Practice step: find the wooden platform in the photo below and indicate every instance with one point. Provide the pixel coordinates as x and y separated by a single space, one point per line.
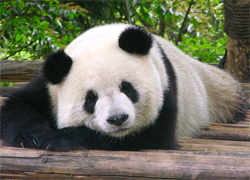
221 152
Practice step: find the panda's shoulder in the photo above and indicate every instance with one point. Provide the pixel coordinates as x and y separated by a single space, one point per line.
34 92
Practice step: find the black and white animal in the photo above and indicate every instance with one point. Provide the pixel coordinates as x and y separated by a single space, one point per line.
118 87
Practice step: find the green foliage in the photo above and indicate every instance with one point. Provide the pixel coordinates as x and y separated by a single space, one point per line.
32 29
6 84
103 11
202 36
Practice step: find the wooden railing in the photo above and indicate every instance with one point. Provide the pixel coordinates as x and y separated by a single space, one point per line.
18 71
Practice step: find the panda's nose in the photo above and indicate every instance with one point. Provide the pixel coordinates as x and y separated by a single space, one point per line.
117 120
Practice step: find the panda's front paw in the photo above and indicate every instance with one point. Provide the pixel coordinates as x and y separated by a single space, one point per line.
25 138
20 140
25 141
59 140
53 143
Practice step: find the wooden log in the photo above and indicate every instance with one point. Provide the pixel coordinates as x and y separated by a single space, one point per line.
18 71
231 125
248 115
218 142
246 86
215 145
29 163
231 132
244 123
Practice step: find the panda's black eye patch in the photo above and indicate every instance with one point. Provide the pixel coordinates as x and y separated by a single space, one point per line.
128 89
90 102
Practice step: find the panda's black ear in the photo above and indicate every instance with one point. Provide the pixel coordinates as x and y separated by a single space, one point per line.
135 40
56 66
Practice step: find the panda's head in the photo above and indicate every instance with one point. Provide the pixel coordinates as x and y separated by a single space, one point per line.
110 79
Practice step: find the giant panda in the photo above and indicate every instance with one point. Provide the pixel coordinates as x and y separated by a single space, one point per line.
118 87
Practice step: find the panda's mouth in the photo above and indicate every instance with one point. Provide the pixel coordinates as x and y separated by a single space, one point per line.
120 132
121 129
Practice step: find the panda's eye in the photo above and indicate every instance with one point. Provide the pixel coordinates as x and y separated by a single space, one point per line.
128 89
90 101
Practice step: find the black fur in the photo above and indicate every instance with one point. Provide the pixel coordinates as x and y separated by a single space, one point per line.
90 102
135 40
27 115
128 89
56 66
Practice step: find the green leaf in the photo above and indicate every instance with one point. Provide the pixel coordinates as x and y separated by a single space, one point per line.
44 24
18 37
57 21
36 19
71 15
66 12
204 40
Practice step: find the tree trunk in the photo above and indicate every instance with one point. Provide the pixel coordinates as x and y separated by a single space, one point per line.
237 62
236 26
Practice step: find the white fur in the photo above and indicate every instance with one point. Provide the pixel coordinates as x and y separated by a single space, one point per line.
99 64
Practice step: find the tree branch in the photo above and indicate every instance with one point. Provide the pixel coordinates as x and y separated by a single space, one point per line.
183 23
20 49
127 9
145 23
162 27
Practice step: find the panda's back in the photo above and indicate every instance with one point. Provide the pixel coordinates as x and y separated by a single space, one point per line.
205 93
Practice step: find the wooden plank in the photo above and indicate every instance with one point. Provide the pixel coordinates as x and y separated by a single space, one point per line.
29 163
217 142
226 132
215 145
244 123
212 148
18 71
246 86
231 125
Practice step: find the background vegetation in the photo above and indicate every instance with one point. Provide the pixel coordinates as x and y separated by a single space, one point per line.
32 29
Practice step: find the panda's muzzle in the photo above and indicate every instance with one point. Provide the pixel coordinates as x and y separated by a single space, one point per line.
117 120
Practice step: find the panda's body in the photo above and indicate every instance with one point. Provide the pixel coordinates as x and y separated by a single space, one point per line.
117 87
205 93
